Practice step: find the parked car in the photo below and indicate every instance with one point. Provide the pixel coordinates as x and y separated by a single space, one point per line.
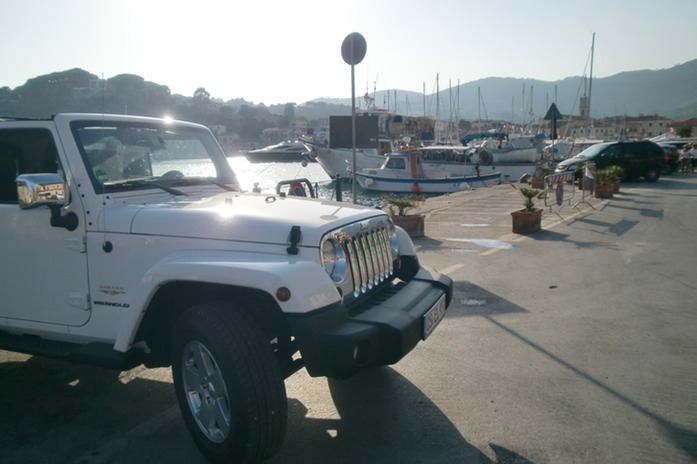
637 159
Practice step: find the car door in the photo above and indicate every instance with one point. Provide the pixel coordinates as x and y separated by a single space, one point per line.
43 276
612 155
632 159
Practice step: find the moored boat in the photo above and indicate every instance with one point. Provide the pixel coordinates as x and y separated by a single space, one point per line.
340 160
289 151
404 173
514 156
496 148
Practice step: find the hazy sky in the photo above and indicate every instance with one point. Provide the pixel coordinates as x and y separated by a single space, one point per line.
283 51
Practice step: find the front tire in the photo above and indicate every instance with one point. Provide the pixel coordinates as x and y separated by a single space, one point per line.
228 384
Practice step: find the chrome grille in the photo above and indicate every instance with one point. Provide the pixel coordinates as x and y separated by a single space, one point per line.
368 254
367 250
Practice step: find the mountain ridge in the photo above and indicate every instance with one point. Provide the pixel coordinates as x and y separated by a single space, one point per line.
669 92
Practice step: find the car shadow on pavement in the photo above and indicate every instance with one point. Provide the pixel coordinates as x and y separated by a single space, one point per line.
382 418
43 401
676 182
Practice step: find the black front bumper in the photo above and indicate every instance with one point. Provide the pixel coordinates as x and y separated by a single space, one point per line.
335 343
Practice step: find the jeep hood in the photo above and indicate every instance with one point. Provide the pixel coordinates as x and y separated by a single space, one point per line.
235 216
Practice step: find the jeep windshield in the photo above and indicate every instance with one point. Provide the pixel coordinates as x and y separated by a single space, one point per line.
127 155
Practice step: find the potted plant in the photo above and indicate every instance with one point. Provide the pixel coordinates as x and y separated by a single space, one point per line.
399 207
618 174
528 219
605 183
538 179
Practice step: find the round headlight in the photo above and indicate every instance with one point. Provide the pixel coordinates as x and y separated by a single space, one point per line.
394 241
333 259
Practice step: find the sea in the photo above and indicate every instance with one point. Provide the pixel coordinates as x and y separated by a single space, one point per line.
265 176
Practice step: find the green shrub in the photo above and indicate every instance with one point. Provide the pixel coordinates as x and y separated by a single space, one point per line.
530 195
399 206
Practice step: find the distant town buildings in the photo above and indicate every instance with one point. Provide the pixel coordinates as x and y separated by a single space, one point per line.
400 127
427 130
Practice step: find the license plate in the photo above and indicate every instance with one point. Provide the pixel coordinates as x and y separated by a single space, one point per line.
433 317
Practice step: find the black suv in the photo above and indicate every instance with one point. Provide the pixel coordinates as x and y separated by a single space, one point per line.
638 159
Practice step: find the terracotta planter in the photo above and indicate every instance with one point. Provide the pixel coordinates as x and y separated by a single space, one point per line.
414 224
526 222
604 191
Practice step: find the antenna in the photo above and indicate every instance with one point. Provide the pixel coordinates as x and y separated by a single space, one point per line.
375 85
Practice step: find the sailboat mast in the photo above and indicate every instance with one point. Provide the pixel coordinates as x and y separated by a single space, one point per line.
457 112
590 80
450 105
437 109
532 89
522 106
479 107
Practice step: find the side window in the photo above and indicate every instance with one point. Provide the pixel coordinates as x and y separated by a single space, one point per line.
613 153
396 163
24 151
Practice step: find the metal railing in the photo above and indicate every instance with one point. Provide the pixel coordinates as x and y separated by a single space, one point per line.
563 189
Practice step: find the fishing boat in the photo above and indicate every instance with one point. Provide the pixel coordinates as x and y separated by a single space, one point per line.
289 151
340 160
404 173
336 153
444 160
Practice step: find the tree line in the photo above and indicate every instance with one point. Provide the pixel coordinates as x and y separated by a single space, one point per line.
77 90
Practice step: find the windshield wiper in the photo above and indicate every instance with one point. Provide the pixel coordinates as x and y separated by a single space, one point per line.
204 180
144 183
222 186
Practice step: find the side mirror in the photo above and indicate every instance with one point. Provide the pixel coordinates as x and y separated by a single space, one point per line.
34 190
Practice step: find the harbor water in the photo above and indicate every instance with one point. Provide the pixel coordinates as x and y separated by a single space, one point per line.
265 176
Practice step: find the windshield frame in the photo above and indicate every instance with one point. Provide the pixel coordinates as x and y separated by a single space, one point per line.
95 135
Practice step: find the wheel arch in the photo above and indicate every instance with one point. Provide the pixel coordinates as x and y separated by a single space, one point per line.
187 278
173 298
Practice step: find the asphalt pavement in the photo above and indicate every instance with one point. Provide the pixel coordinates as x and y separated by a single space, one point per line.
575 344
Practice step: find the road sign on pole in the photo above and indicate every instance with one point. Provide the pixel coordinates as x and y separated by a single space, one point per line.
353 51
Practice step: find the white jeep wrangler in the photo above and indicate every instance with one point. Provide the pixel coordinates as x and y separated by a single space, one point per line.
126 241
